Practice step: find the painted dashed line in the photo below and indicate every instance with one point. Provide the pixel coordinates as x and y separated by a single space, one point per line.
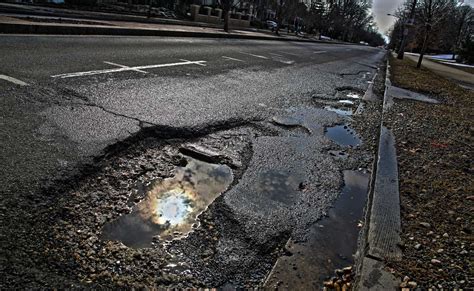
320 52
116 70
232 59
13 80
257 56
123 66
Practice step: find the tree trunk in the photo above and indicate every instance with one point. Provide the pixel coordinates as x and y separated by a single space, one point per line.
226 20
423 48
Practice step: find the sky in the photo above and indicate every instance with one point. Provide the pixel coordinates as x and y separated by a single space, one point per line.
380 8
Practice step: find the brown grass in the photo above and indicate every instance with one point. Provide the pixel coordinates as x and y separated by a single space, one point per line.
434 147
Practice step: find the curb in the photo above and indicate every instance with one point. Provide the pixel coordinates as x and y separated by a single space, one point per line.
13 28
383 218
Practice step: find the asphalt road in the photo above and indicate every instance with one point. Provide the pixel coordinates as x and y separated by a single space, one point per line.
67 102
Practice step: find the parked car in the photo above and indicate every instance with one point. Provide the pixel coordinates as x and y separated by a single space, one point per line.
271 24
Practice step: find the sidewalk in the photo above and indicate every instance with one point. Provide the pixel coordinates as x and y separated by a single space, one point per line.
72 26
459 76
23 19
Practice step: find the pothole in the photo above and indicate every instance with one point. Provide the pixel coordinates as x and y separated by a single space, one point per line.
343 135
331 242
340 111
346 101
171 206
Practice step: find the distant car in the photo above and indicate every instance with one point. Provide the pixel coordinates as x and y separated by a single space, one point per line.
271 24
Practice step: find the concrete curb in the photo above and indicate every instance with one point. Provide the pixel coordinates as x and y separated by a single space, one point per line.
383 224
14 28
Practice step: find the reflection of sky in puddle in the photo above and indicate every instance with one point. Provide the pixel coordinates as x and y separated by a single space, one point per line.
353 95
346 102
172 205
173 208
345 112
343 135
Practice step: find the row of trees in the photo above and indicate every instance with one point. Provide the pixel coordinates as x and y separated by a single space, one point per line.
347 20
440 26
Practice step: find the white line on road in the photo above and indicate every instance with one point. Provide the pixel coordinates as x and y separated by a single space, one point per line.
320 52
291 54
257 56
232 59
106 71
275 55
13 80
123 66
196 63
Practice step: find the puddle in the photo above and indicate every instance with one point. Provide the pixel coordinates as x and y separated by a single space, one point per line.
343 135
346 102
331 244
171 206
345 112
353 95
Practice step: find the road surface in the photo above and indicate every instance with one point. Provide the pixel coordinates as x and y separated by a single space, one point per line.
260 130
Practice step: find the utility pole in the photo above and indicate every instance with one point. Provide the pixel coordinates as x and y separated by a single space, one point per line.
406 24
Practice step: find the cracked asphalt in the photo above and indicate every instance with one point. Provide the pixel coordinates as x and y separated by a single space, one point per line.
102 118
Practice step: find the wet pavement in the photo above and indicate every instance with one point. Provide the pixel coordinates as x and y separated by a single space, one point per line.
331 244
182 176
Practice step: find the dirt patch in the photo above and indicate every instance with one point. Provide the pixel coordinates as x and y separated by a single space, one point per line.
434 146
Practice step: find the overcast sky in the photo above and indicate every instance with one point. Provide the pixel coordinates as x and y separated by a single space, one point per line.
380 9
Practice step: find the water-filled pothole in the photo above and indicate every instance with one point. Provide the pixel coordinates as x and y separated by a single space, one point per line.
349 102
171 206
331 242
340 111
343 135
353 95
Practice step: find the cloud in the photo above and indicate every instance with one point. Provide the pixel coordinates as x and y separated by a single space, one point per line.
380 8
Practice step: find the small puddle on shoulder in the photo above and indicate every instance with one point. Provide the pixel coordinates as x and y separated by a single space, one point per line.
343 135
346 102
353 95
331 242
171 206
345 112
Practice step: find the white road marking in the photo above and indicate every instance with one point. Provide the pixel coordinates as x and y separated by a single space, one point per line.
123 66
196 63
106 71
232 59
320 52
13 80
257 56
291 54
275 55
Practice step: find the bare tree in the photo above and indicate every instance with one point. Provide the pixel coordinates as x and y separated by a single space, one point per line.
431 12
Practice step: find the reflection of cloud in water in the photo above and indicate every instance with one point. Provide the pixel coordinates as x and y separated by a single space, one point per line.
172 205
